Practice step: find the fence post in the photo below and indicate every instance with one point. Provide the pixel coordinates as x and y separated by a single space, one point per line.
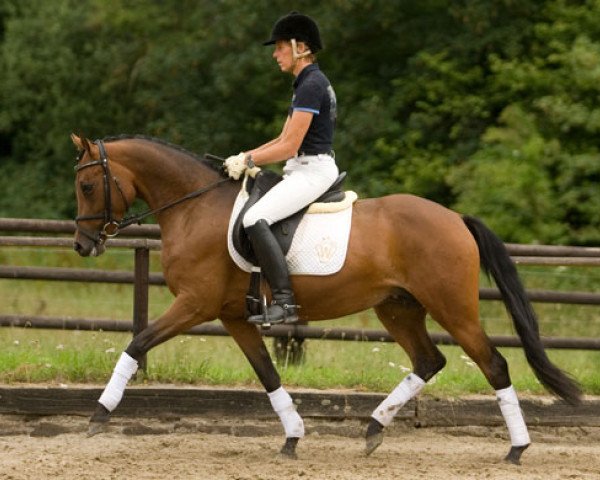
140 294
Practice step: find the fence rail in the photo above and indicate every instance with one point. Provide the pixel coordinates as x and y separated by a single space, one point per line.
278 331
126 277
142 278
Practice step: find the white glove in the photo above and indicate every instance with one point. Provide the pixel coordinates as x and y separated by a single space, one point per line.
252 172
235 165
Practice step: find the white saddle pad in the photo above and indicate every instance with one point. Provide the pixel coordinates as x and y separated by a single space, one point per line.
320 243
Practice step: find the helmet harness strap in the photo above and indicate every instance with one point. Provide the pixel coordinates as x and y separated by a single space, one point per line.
295 55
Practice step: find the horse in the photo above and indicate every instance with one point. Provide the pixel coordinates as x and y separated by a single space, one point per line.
407 257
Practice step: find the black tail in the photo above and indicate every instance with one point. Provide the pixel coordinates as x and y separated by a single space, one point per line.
496 261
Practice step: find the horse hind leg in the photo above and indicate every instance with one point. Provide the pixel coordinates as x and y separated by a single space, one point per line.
405 321
470 336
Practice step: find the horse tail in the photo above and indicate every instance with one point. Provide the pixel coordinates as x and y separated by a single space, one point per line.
495 260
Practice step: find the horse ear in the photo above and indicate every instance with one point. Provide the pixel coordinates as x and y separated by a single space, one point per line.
80 142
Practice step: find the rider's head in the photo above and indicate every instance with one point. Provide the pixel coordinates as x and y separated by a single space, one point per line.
301 32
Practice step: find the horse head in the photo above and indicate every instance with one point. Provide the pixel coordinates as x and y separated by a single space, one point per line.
104 191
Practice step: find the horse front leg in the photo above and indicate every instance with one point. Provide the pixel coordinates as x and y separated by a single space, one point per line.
248 338
181 316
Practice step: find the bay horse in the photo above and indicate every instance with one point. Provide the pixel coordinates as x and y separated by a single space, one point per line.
407 256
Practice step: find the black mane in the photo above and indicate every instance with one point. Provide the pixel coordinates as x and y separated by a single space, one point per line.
164 143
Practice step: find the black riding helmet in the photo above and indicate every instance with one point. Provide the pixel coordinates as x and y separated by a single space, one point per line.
298 26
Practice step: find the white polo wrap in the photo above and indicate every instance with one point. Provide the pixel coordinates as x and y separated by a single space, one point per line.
113 393
511 411
284 407
407 389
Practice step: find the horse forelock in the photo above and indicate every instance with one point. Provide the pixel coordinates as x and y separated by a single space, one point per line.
169 146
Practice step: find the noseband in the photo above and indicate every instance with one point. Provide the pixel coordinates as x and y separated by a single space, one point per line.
111 226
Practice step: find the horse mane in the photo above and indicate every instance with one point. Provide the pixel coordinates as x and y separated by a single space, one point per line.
164 143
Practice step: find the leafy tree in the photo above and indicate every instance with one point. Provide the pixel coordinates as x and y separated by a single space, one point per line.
550 92
504 181
488 107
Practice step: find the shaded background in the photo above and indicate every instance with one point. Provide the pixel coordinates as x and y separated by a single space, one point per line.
488 107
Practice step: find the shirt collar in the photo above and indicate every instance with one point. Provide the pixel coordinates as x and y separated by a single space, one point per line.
305 71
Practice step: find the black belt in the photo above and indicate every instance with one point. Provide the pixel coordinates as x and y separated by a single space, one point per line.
331 153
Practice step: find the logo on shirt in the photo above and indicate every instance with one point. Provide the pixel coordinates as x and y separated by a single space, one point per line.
332 104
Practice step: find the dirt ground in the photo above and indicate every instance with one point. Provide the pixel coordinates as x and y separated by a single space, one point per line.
57 447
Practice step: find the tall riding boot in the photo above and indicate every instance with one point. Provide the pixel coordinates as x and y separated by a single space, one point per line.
272 262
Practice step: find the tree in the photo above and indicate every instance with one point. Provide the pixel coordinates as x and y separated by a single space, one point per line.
488 107
551 115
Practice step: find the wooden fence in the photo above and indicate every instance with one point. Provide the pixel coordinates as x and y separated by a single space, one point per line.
144 238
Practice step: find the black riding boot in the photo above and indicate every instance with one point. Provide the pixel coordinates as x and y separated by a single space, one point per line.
273 265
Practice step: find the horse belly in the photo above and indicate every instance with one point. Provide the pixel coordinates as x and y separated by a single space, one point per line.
331 304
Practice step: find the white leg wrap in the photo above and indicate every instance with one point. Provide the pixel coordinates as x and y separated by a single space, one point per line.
407 389
511 411
113 393
284 407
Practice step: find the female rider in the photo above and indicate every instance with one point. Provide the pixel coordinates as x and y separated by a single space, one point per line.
305 143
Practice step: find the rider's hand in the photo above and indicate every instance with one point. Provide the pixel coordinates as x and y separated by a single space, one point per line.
235 165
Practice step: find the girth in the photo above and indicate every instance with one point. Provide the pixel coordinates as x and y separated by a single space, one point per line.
284 229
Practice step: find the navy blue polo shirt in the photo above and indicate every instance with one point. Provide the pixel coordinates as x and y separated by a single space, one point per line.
313 93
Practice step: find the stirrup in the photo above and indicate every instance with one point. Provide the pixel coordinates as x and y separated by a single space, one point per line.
268 317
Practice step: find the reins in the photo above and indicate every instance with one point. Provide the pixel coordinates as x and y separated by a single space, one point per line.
126 221
111 226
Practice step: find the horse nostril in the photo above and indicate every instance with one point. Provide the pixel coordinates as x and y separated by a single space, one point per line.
77 246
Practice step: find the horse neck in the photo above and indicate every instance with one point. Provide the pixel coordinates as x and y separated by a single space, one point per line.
162 174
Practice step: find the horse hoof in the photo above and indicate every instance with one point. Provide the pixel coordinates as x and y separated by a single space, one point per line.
514 455
99 420
95 428
374 436
289 448
373 442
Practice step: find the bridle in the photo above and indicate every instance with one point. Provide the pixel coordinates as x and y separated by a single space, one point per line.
111 226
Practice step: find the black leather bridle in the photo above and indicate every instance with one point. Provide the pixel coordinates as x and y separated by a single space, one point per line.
111 226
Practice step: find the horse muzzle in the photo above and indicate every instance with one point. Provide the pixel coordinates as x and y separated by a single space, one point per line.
89 247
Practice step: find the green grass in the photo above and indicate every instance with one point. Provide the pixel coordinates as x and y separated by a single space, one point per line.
50 356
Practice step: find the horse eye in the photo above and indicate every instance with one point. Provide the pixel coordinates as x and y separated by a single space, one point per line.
87 188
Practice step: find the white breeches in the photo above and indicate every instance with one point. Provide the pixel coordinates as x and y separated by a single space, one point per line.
305 179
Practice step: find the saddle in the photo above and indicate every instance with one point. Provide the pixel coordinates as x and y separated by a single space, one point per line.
284 229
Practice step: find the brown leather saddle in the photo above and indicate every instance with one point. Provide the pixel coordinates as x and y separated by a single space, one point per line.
284 229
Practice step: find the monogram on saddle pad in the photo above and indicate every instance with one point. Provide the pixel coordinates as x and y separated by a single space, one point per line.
314 239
